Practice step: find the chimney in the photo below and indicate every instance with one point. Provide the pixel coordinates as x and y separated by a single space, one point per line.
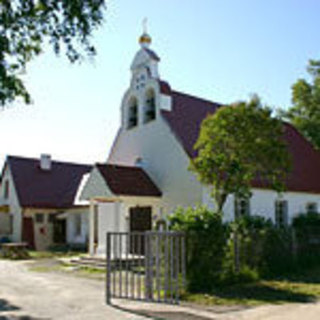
45 162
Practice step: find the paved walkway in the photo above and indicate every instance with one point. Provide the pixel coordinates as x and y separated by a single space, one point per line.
292 311
28 295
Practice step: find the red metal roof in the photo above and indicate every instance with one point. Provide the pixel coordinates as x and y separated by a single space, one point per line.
188 113
130 181
37 188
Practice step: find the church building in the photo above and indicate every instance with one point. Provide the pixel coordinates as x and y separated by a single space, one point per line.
146 175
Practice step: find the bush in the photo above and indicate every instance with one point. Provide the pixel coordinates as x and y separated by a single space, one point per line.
307 239
263 248
206 242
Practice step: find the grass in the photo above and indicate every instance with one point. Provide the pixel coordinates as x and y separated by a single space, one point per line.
53 254
302 287
67 268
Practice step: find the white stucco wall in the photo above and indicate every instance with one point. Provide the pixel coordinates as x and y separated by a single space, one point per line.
164 160
114 217
109 220
95 187
72 236
262 203
14 205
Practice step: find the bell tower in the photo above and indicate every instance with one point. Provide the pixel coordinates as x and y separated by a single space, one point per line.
145 62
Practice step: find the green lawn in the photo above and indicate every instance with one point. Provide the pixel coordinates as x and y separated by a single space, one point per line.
53 254
301 287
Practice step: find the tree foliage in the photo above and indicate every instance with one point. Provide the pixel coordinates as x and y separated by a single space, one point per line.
304 114
237 144
26 25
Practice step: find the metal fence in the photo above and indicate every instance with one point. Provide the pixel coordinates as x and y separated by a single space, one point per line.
147 266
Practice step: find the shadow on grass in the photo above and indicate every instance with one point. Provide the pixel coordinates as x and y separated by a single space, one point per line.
261 292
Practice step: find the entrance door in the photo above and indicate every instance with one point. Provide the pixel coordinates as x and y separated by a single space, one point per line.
59 231
28 232
140 221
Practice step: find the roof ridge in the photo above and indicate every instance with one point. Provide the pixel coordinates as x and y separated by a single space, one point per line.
117 165
198 98
53 161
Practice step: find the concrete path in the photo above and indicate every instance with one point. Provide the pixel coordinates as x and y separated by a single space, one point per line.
28 295
308 311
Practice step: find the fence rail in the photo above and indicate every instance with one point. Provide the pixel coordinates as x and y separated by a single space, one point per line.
148 266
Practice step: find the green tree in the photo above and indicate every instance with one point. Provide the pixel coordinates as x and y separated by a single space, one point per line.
304 114
27 25
238 144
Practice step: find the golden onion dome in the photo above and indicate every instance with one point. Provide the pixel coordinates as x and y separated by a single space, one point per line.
145 39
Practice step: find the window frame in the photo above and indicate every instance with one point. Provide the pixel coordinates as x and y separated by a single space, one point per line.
6 191
39 217
315 204
281 213
241 210
77 225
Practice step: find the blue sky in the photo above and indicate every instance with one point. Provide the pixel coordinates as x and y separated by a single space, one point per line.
223 50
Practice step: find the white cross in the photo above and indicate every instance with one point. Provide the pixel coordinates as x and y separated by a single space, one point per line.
144 25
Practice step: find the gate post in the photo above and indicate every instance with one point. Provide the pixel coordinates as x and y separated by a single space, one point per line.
147 257
108 268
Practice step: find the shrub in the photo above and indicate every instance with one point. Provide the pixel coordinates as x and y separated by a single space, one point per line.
206 242
307 238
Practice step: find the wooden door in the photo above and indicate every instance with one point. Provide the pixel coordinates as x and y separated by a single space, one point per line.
28 232
59 231
140 221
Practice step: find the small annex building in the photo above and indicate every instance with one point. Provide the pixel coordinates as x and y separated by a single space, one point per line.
146 176
38 202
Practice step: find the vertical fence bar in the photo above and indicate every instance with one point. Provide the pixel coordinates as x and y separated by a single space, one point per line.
108 268
157 235
177 266
171 267
126 235
139 263
151 261
166 267
131 264
114 244
120 265
148 277
183 261
134 265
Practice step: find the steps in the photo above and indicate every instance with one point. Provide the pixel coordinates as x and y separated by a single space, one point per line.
92 262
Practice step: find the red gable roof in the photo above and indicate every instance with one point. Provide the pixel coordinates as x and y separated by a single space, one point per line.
185 120
55 188
130 181
186 117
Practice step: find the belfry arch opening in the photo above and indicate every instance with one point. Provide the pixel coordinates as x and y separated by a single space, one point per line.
132 113
150 106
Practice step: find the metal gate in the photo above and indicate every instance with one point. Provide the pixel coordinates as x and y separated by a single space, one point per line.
154 271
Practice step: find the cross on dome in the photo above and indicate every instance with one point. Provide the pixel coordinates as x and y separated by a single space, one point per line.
145 39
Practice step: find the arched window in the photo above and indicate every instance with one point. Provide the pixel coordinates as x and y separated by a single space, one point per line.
132 113
150 106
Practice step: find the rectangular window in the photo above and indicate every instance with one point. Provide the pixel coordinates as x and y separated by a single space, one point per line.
6 189
51 218
312 207
241 207
11 224
77 225
39 217
281 213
